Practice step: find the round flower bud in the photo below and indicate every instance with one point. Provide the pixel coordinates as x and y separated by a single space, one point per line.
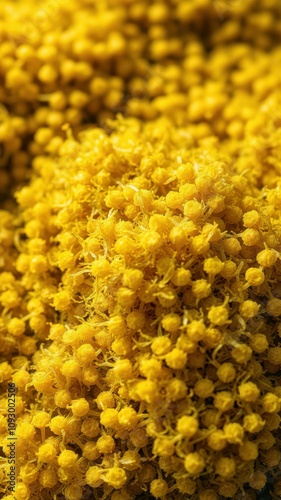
187 426
254 276
267 257
258 343
226 373
218 315
226 467
194 463
258 480
234 433
271 403
67 459
176 359
248 392
273 307
253 423
204 388
248 451
248 309
80 407
116 477
274 355
46 453
171 322
161 345
158 488
216 440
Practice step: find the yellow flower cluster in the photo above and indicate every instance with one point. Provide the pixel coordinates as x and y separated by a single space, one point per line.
140 272
159 351
79 61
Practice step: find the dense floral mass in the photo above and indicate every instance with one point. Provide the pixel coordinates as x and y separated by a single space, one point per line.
140 240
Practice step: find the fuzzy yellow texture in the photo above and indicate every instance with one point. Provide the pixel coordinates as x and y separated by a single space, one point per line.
81 62
117 354
139 283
